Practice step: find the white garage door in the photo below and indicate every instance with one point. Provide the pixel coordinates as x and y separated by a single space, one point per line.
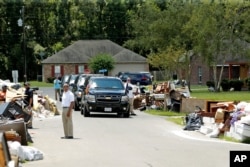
129 68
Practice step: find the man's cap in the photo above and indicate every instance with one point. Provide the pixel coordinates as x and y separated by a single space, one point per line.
66 84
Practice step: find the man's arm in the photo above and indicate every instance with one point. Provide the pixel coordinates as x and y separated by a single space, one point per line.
71 106
30 99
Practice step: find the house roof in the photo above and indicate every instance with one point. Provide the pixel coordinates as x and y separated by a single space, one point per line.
83 50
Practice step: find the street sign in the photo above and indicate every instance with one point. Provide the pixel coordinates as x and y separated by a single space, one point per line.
103 70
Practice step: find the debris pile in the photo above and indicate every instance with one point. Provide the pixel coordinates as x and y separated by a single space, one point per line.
15 116
224 118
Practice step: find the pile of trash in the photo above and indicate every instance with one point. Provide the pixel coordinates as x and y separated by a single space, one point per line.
43 106
15 116
155 96
230 119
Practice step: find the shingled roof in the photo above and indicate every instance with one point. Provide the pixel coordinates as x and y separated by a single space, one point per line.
83 50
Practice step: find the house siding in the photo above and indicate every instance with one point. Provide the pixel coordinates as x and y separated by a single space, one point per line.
65 69
195 65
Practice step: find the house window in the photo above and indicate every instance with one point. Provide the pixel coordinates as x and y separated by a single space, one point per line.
57 70
199 75
81 69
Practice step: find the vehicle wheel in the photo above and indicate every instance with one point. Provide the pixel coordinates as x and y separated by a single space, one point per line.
77 108
119 114
82 109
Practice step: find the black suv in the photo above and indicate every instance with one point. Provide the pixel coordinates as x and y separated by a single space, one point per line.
106 95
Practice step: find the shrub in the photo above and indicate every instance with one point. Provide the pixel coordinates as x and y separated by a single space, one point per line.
210 84
248 83
236 84
225 85
50 79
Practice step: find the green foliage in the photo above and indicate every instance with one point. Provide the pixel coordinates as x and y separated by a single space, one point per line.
101 61
146 27
52 25
210 83
236 84
50 79
168 60
225 85
217 33
57 46
248 83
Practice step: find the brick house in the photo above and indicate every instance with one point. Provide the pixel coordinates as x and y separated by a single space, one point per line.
234 68
74 58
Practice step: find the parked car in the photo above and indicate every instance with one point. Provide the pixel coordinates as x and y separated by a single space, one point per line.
105 95
141 78
78 87
148 74
121 73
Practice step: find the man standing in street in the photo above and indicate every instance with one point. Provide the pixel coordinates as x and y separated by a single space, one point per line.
67 105
57 86
28 100
130 93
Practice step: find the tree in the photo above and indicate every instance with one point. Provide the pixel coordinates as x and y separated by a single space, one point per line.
158 34
100 62
166 61
215 30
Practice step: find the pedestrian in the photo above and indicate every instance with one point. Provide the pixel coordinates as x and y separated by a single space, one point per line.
57 87
67 109
130 93
3 93
28 100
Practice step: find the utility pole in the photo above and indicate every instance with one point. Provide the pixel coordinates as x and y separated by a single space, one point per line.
21 23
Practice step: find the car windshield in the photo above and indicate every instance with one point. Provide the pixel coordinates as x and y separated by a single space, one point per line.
81 81
65 78
147 74
106 84
135 76
72 79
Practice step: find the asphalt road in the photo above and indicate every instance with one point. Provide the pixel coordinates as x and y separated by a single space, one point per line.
139 141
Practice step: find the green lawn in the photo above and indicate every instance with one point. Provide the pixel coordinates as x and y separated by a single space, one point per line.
243 95
40 84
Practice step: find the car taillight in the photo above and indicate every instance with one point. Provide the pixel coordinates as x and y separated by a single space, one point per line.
143 78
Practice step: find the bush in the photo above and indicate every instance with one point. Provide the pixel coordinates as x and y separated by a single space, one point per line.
225 85
236 84
210 84
50 79
248 83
